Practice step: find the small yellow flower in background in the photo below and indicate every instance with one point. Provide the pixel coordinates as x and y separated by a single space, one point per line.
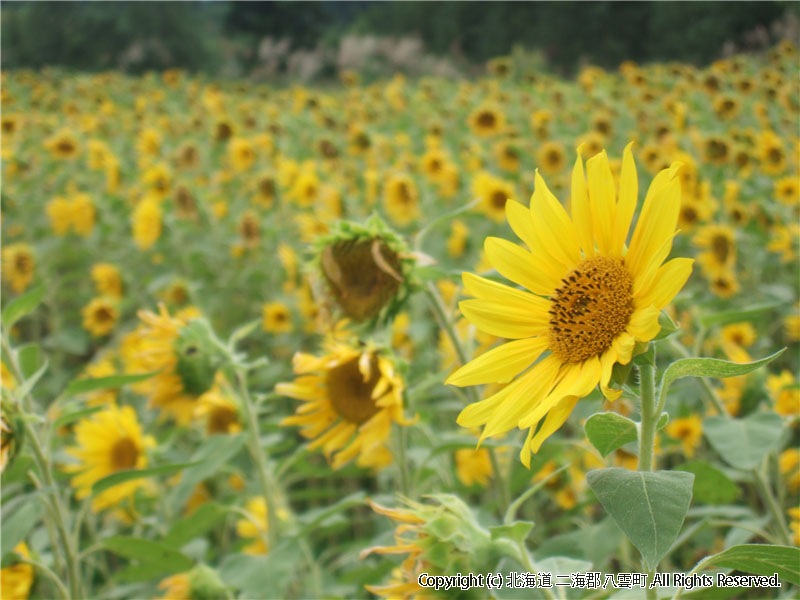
789 465
18 266
791 324
107 280
740 334
552 158
148 143
785 239
77 214
457 240
63 145
100 316
219 209
401 199
719 244
351 396
785 393
473 466
220 412
108 442
689 430
276 318
158 180
255 528
176 587
242 153
604 296
487 120
103 367
16 580
787 190
794 524
493 193
60 214
147 222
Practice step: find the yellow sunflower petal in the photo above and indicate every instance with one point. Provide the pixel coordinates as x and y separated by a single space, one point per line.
607 360
581 214
623 347
486 289
521 221
553 226
628 194
502 320
669 280
644 324
555 419
518 265
500 364
601 200
656 222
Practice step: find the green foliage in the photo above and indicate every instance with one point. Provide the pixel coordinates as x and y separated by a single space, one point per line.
609 431
760 559
648 507
711 486
743 443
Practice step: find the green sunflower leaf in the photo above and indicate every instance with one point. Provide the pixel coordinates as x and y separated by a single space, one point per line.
649 507
194 525
608 431
735 316
148 553
711 367
129 475
711 486
743 443
761 559
83 386
17 525
24 305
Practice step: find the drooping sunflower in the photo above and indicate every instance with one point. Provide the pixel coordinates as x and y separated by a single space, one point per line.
108 442
176 349
351 396
591 298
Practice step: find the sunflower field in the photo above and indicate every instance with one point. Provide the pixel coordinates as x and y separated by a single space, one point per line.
514 336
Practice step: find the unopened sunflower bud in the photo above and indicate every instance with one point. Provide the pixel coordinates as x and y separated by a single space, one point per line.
198 357
366 269
206 584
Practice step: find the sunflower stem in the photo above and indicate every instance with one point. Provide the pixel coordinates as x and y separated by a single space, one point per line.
647 430
435 300
45 468
262 468
772 505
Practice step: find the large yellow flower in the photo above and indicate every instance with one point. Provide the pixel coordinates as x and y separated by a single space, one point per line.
108 442
352 395
591 298
17 578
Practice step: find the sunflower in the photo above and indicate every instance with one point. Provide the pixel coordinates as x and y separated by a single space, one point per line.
771 153
63 145
174 348
473 466
457 240
249 228
100 316
433 163
552 157
487 120
726 107
16 579
176 587
725 284
241 153
352 394
220 412
716 150
108 442
689 431
593 298
401 199
18 265
276 318
787 190
508 155
107 280
493 193
147 218
719 243
256 527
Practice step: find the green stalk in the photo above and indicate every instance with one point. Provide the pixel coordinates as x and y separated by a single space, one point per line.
647 428
262 468
435 300
772 505
44 467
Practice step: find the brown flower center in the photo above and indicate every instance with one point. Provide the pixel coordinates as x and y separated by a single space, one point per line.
487 119
721 247
220 419
499 198
124 454
590 309
103 315
349 393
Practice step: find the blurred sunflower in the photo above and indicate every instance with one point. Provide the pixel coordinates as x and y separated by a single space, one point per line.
401 199
256 527
552 157
719 245
100 316
147 222
593 298
276 318
177 349
18 266
108 442
107 280
493 194
16 579
487 120
351 396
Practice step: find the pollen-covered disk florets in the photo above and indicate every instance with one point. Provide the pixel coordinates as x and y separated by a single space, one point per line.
366 268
